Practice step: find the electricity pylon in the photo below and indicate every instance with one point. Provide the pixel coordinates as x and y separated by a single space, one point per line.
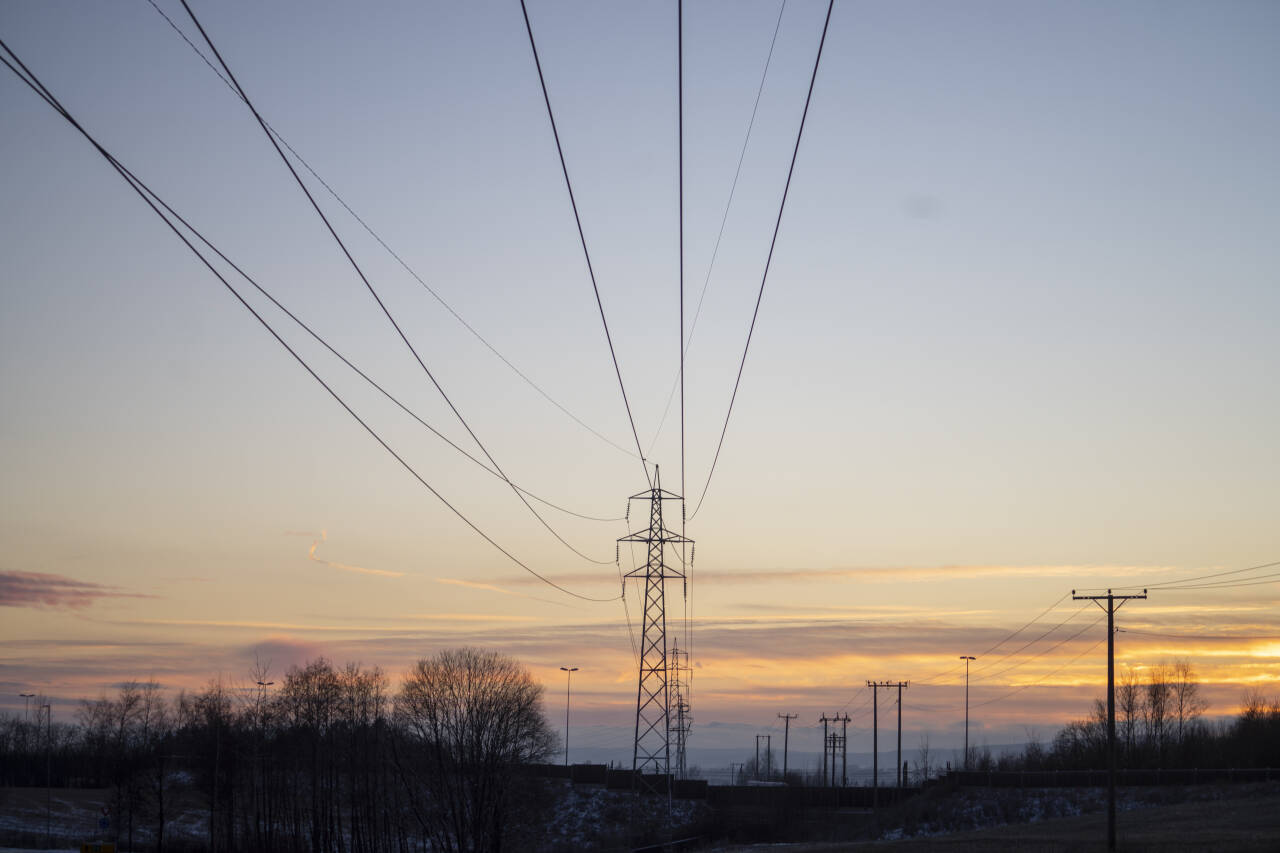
680 671
652 752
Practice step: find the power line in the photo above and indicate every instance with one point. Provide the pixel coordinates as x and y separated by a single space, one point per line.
1040 654
1216 575
319 339
1178 581
693 325
1199 636
866 701
372 291
684 563
403 263
1044 678
1029 643
583 238
768 260
1257 580
147 194
933 678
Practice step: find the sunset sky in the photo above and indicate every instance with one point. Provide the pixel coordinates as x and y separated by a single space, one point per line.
1019 336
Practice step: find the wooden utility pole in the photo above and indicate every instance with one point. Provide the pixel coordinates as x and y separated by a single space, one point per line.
901 684
1114 603
786 739
825 749
844 751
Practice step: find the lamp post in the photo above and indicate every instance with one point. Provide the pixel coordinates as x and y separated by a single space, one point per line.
260 794
966 659
26 706
48 797
568 679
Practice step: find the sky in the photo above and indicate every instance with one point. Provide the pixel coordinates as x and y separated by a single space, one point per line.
1017 337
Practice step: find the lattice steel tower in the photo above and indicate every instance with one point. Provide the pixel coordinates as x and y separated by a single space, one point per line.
652 752
683 721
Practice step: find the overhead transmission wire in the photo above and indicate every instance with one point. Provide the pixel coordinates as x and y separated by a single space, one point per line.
693 324
933 678
989 663
400 260
361 373
1198 636
1042 679
373 292
595 287
989 676
866 702
1255 580
1177 582
686 567
768 260
1024 662
156 203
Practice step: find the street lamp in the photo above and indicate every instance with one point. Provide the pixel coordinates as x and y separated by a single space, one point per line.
262 692
26 706
966 659
569 671
48 796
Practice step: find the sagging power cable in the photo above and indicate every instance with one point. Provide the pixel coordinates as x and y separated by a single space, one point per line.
373 292
154 202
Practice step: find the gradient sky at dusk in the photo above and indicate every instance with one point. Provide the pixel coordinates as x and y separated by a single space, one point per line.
1019 337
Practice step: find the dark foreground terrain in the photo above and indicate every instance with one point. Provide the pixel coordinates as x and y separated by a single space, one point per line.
1247 822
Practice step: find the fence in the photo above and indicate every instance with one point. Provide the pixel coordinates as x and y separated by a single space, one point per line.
1098 778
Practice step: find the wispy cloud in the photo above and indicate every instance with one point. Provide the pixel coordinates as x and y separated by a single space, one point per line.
877 574
41 589
488 587
870 612
324 536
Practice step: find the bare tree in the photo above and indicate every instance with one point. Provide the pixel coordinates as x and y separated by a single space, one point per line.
468 718
1129 704
1188 704
154 726
924 769
1156 710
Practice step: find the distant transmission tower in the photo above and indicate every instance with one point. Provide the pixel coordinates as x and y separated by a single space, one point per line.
680 671
652 752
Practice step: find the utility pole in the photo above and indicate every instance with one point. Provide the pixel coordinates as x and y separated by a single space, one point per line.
966 659
901 684
786 740
568 679
824 719
875 734
1114 603
652 751
768 756
844 751
875 743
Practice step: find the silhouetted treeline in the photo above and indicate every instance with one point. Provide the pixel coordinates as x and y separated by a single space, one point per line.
324 759
1159 724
